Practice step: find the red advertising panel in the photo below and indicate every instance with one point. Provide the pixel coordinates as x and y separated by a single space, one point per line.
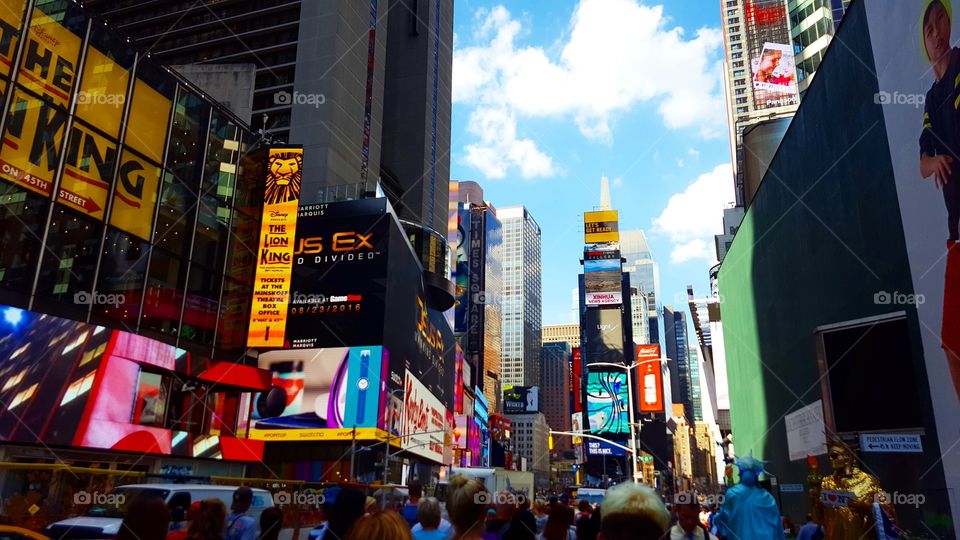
575 380
650 379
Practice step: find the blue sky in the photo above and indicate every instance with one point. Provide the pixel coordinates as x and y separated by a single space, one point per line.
550 96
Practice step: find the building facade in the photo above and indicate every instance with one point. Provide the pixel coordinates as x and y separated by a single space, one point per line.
130 207
644 276
477 270
531 436
755 33
812 26
675 336
521 298
555 389
562 333
638 316
871 225
363 86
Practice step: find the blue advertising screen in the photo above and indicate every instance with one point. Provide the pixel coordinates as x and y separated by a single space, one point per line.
607 402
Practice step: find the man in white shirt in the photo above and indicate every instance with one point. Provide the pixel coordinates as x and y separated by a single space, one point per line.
688 526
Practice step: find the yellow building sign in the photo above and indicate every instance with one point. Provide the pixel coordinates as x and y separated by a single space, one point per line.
601 227
271 286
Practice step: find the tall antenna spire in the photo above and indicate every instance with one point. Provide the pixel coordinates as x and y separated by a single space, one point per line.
604 193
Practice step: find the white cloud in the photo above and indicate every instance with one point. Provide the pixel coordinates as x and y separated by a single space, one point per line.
598 74
680 163
694 153
694 249
692 217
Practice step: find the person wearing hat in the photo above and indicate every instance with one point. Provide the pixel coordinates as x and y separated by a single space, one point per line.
241 526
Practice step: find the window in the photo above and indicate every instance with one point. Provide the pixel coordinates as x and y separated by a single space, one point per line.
23 396
78 387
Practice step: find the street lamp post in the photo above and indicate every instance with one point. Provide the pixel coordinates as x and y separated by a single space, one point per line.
633 433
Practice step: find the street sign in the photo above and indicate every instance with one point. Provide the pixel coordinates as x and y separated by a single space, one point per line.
891 442
791 488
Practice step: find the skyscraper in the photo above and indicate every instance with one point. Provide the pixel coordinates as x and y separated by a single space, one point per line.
694 366
675 338
363 86
644 275
812 26
555 389
521 299
638 316
758 52
477 271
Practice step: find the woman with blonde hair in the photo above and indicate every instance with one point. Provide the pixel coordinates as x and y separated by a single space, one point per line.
386 525
467 503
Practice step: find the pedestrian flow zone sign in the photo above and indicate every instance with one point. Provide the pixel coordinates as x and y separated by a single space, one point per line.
891 442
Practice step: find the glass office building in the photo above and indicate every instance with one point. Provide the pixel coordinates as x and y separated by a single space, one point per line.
123 198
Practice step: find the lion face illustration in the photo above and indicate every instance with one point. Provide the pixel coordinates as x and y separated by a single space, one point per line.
283 177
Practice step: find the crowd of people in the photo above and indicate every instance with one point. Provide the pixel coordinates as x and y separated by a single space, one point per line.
470 512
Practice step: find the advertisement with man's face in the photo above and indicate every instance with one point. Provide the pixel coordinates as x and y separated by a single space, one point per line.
918 71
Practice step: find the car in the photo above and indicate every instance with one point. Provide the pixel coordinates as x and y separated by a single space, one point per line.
103 518
8 532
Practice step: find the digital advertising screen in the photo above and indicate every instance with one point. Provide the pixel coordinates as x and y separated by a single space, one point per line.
603 282
603 336
603 448
772 64
337 290
649 379
607 402
339 387
72 384
601 227
281 196
521 399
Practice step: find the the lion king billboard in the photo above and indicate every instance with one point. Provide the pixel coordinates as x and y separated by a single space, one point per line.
278 228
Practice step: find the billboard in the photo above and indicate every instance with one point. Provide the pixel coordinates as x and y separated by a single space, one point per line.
73 384
281 196
341 387
461 249
768 42
521 399
603 336
649 379
603 282
603 448
576 362
477 264
422 421
913 48
337 290
601 227
35 138
607 402
576 426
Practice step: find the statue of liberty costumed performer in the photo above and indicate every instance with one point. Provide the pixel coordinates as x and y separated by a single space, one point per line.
749 512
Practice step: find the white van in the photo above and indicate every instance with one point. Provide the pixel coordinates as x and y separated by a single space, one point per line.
105 515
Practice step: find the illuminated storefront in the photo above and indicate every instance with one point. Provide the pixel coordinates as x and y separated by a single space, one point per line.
122 195
127 251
